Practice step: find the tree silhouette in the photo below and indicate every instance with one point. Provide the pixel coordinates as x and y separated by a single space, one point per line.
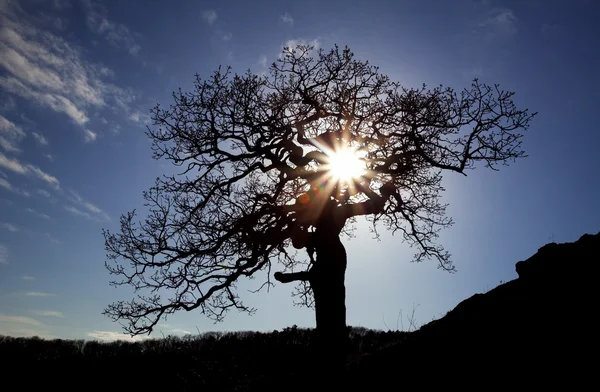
258 189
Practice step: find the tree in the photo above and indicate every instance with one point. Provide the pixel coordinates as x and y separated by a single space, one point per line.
266 181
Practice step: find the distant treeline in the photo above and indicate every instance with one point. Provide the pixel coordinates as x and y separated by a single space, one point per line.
221 360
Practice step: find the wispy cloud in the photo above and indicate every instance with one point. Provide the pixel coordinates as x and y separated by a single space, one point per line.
10 227
88 210
116 34
498 23
113 336
262 61
5 184
10 135
90 136
51 239
46 70
38 214
44 193
293 44
287 19
227 36
28 277
49 313
13 325
14 165
5 318
38 294
3 254
40 138
209 16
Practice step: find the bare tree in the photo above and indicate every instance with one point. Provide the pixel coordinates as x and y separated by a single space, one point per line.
261 186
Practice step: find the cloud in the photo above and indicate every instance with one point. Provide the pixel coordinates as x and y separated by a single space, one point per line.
78 212
48 71
89 211
3 254
52 239
44 193
227 37
10 135
287 19
181 331
498 23
135 116
5 318
40 138
262 61
6 185
43 216
113 336
118 35
14 165
27 277
17 326
38 294
9 227
292 44
90 136
209 16
49 313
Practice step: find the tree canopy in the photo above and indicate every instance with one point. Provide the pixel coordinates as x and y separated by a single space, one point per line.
262 162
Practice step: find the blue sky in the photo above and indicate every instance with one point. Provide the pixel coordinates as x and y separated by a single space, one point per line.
78 78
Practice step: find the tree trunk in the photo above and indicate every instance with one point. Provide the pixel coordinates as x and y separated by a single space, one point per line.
327 283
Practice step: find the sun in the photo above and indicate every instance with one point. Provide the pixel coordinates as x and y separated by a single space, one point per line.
345 165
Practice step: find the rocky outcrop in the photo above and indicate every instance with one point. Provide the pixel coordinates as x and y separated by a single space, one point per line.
537 327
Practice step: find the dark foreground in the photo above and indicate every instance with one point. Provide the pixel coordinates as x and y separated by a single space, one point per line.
534 331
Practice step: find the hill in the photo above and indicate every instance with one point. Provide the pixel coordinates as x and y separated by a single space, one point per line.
536 329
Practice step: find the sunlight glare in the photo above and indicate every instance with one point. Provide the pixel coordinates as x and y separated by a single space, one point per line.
345 165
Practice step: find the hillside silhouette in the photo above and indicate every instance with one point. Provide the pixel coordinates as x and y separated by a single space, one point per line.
534 330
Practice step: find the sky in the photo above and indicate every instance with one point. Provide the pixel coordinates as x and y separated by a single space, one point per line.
78 80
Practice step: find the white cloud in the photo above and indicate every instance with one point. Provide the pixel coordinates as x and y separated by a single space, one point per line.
287 19
113 336
262 61
5 318
9 227
46 70
227 37
498 23
40 138
44 193
293 44
116 34
27 169
209 16
49 157
90 136
38 294
181 331
91 210
75 211
52 239
32 211
49 313
135 116
3 254
27 277
17 326
10 134
5 184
